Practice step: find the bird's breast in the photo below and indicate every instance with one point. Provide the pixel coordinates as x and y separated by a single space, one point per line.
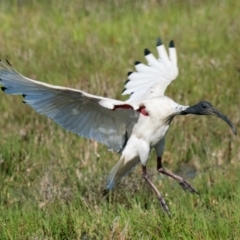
157 135
150 130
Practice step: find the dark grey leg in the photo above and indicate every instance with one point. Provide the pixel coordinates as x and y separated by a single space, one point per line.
184 184
159 196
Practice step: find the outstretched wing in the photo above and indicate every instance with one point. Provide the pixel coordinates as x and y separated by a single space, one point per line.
152 80
106 120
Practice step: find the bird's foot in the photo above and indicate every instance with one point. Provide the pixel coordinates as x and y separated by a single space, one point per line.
164 206
162 202
183 183
187 186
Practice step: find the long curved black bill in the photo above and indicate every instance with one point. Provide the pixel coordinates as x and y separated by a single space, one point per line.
225 119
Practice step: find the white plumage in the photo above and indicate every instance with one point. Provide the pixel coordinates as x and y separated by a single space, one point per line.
85 114
152 80
131 127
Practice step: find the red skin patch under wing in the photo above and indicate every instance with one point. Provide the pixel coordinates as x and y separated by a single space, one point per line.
124 106
142 109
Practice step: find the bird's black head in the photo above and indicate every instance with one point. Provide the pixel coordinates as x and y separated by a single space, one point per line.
201 108
206 108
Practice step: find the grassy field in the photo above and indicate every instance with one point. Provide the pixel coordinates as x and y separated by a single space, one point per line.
51 181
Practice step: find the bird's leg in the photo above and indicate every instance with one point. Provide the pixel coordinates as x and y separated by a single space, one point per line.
184 184
159 196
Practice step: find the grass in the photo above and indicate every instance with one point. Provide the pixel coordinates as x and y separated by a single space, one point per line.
51 180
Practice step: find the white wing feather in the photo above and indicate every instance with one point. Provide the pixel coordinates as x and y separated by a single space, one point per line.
90 116
152 80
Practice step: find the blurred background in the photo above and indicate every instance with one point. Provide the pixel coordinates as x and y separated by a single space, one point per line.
51 180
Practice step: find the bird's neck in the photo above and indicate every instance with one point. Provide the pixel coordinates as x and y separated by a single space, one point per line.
180 108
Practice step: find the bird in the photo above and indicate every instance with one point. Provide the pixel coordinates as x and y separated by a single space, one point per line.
132 127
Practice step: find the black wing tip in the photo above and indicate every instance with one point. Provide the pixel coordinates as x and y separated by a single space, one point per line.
137 62
8 63
159 42
24 95
123 90
126 81
129 73
3 88
171 44
146 52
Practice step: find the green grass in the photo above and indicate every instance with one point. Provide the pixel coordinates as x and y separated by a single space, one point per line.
51 180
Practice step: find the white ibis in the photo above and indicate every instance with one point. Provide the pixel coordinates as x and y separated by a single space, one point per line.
131 127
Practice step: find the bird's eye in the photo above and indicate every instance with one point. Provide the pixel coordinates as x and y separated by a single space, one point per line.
204 106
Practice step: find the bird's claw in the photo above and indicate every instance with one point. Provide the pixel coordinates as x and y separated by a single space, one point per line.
164 206
187 186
